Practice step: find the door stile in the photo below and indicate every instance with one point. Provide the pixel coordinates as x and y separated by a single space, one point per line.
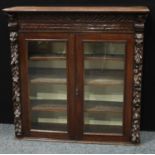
79 88
128 86
71 86
25 107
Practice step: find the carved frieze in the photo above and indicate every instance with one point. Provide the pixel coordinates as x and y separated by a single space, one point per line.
77 22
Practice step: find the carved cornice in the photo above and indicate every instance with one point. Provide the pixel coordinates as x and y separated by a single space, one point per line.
76 17
15 75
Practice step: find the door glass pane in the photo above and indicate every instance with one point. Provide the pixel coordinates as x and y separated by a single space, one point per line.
47 84
104 86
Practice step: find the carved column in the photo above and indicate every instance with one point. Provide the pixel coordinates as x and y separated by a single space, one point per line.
137 81
15 75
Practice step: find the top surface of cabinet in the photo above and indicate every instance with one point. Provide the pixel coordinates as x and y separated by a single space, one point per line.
106 9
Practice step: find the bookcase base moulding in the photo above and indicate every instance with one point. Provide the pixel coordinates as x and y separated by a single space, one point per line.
77 71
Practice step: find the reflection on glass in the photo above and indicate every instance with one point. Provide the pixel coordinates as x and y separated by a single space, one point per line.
104 48
46 48
104 86
47 85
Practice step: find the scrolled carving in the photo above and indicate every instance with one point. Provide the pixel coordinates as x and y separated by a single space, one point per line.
15 77
137 80
138 48
13 36
138 75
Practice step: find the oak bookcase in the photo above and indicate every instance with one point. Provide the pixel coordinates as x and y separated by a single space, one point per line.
77 72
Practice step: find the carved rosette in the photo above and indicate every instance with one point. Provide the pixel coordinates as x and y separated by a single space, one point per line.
15 76
137 83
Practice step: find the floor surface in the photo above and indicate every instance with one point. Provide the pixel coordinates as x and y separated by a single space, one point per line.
9 144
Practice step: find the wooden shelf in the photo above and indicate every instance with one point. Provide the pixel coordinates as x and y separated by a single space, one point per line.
47 75
61 106
100 108
96 82
104 58
107 121
105 77
48 80
87 128
49 126
103 106
101 82
49 96
49 108
92 78
49 105
46 58
102 129
55 108
91 97
105 97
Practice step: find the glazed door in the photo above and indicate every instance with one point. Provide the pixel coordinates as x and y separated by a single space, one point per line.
47 86
76 86
104 86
